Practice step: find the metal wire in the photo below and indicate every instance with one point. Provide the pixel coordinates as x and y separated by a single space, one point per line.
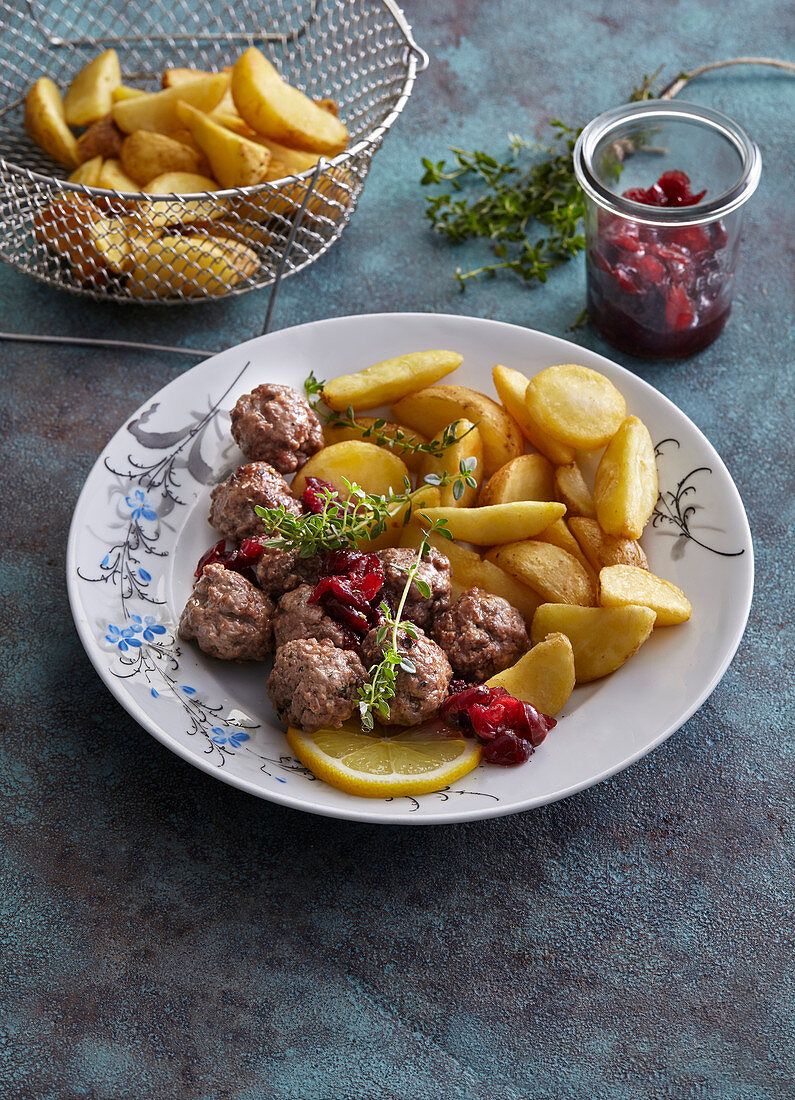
130 247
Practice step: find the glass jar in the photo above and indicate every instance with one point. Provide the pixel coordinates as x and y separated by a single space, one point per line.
660 276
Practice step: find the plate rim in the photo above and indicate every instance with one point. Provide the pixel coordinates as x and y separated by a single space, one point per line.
357 812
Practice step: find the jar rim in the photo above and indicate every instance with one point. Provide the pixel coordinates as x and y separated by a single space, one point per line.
599 128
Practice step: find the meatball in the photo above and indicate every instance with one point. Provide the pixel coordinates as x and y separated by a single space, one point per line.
228 617
434 570
280 571
419 694
275 424
296 617
232 502
481 635
313 684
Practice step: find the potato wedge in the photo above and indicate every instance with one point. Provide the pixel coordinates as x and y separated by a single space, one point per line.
103 138
553 573
431 409
366 429
234 160
388 381
124 91
191 265
601 549
65 227
117 240
468 448
620 585
602 638
625 488
526 477
90 95
558 534
113 177
88 172
374 469
158 110
543 677
279 111
572 490
46 125
427 496
498 523
182 183
511 385
469 570
575 405
147 154
160 214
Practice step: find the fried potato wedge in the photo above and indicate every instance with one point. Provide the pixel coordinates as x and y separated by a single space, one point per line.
158 110
543 677
372 468
553 573
88 172
365 428
620 585
427 496
431 409
469 570
511 385
390 380
124 91
468 448
191 265
234 160
279 111
601 549
558 534
117 240
65 227
46 125
575 405
103 138
602 638
147 154
526 477
625 488
113 177
90 95
189 212
498 523
572 490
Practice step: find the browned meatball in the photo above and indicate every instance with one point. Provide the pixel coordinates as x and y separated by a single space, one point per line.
481 635
434 570
232 502
275 424
228 617
280 571
313 684
296 617
419 694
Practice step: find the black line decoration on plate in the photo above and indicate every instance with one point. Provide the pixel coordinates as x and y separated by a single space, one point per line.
443 793
677 509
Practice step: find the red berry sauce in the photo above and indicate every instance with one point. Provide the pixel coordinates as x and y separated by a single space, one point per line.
242 559
508 729
658 291
349 587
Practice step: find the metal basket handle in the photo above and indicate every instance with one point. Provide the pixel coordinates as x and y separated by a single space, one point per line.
403 23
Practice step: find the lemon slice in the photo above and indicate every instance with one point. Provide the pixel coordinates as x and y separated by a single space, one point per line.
414 762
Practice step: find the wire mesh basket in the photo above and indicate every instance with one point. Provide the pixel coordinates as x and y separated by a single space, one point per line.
358 53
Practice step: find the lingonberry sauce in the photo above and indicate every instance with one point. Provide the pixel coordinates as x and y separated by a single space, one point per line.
348 588
507 728
654 290
242 559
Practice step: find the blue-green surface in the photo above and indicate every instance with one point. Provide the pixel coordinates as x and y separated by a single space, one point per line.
167 936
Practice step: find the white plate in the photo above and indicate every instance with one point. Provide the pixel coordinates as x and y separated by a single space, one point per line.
140 526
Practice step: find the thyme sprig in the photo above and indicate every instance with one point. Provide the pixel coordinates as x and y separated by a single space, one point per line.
375 695
344 524
396 440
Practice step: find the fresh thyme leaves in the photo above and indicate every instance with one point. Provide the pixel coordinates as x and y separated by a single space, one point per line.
464 477
375 695
544 195
379 431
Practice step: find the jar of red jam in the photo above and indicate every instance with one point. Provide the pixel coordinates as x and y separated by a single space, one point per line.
664 188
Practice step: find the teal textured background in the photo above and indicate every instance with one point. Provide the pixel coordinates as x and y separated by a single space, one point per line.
167 936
